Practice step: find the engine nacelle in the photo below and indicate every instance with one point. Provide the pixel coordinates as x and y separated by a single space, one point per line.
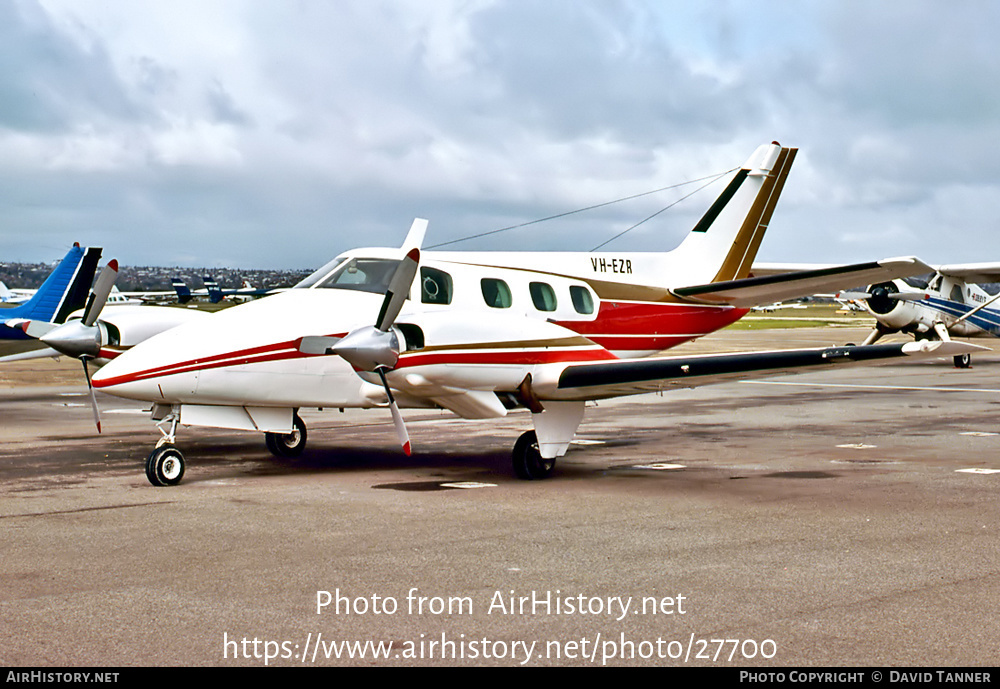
894 313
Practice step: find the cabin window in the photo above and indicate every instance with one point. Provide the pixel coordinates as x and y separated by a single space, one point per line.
542 296
496 293
582 301
435 286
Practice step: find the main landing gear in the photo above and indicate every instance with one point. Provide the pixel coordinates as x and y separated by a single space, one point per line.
288 444
528 461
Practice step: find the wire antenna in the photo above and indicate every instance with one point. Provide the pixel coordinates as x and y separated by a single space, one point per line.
710 178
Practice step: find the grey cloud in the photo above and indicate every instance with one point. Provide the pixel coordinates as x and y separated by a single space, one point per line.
49 80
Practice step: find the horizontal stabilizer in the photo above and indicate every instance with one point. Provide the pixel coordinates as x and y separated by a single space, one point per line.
778 286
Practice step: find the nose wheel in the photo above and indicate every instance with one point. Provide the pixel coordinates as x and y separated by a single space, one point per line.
165 466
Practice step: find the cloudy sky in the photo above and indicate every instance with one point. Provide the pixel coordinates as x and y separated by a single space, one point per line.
273 133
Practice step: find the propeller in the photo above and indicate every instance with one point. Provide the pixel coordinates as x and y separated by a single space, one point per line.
375 348
82 339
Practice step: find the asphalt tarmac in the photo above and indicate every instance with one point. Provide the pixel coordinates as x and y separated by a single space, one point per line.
843 518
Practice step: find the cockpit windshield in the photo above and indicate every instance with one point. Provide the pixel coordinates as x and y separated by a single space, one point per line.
361 274
318 274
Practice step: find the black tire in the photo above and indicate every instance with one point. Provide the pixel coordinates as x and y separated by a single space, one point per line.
963 360
528 461
165 466
288 444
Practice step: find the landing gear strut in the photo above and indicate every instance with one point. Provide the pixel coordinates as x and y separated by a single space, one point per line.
288 444
528 461
165 464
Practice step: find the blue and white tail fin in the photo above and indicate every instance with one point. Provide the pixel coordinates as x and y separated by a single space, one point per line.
65 289
724 243
214 291
183 291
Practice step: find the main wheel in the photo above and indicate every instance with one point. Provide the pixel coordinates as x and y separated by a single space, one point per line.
165 466
528 461
963 360
288 444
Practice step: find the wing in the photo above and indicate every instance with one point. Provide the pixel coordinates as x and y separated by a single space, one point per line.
605 379
774 285
972 272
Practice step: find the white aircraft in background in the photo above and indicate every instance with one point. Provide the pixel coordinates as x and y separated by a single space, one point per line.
14 296
948 305
481 333
88 337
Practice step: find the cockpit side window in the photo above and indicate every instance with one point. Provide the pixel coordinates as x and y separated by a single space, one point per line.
436 286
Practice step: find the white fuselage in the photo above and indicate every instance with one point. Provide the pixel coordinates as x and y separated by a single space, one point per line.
468 325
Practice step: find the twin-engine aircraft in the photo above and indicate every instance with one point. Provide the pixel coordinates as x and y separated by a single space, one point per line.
483 333
947 305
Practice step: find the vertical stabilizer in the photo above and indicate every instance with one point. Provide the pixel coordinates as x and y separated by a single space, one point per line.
725 240
65 289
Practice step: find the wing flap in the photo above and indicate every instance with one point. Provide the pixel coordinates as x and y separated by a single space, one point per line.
601 380
778 286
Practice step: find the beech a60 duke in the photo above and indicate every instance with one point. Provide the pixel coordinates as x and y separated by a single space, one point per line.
482 333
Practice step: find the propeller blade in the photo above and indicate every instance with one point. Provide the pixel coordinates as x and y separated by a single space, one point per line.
402 279
35 329
908 296
93 397
399 289
99 296
397 418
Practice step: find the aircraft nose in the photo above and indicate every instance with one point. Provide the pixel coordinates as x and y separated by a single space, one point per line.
125 376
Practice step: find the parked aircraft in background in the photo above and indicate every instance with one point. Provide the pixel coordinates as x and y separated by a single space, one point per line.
245 293
14 296
89 337
481 333
64 291
949 304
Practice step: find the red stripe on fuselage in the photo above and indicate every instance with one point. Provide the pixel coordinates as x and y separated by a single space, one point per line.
645 326
253 355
